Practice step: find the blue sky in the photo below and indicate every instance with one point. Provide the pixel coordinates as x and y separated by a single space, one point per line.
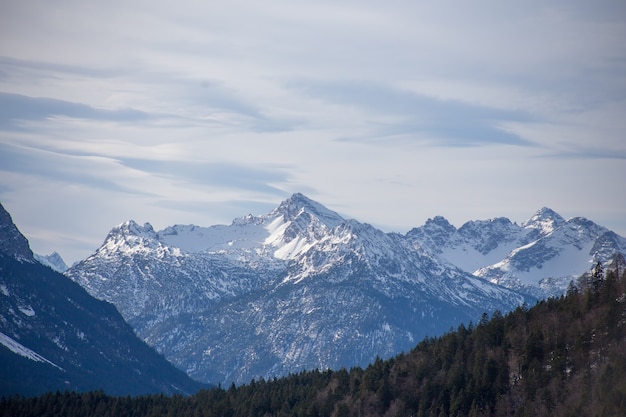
203 111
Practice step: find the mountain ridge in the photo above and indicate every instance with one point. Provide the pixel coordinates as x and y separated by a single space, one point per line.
531 257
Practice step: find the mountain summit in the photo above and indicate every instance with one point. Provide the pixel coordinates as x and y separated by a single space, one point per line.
545 221
53 260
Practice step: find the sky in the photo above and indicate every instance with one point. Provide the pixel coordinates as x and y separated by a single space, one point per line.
390 113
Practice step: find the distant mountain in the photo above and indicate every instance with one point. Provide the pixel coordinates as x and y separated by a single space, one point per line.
297 288
55 336
539 257
53 260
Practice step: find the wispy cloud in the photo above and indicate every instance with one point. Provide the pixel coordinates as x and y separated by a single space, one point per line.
17 66
233 176
419 117
46 166
18 108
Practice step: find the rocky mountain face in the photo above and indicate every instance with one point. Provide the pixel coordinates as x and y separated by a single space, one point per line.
55 336
297 288
539 257
12 242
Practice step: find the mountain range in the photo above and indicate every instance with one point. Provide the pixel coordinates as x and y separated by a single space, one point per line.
539 257
297 288
55 336
302 288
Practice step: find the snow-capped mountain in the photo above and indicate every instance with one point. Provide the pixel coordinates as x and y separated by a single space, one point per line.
55 336
540 256
53 261
297 288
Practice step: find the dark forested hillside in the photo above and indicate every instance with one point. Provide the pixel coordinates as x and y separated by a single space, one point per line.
562 357
56 336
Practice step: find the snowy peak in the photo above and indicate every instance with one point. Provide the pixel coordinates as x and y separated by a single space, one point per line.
53 260
132 228
438 228
436 231
130 236
544 220
12 242
298 204
487 235
130 231
545 214
297 224
496 225
439 222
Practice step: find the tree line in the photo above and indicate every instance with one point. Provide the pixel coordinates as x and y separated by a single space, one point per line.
564 356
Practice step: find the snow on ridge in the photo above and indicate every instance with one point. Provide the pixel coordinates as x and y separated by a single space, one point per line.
17 348
256 232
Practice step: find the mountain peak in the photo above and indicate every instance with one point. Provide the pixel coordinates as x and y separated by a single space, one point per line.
440 222
298 203
545 220
54 261
129 234
132 228
12 242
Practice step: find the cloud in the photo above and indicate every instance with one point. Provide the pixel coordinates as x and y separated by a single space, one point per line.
91 171
231 176
212 100
143 94
18 108
15 66
418 116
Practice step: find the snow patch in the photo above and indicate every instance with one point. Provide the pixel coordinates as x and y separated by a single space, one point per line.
22 350
27 310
